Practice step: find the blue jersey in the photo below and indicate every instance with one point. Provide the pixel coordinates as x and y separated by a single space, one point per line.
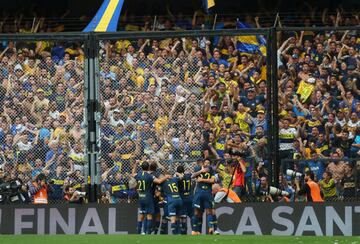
185 186
202 186
170 188
145 184
118 187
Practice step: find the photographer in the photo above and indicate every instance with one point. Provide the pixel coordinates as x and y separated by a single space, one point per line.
39 189
12 190
311 189
74 196
239 175
262 191
222 194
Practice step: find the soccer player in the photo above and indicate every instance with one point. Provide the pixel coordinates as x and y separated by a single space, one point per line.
145 188
203 198
170 188
153 170
186 193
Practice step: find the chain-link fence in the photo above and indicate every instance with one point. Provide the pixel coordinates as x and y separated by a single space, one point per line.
42 126
177 100
171 98
338 178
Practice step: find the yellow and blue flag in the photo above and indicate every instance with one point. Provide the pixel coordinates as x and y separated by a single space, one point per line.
106 19
207 4
250 44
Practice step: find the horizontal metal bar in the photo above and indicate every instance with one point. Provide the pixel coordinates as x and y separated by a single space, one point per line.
46 36
318 29
321 160
172 34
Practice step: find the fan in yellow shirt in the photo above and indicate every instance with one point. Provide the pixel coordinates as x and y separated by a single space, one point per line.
161 122
242 117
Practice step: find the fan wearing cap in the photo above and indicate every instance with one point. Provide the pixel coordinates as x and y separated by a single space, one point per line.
18 69
259 120
251 100
116 117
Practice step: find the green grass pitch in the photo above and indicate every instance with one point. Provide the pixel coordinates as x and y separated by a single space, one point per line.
157 239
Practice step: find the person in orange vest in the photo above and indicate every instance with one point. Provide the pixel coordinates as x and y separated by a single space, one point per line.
310 188
39 189
224 195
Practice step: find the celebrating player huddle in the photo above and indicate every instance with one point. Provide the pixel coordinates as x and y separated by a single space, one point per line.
181 195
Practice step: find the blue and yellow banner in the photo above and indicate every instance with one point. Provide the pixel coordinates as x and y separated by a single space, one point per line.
207 4
106 19
250 44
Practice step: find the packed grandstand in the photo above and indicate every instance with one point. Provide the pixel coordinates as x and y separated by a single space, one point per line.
177 101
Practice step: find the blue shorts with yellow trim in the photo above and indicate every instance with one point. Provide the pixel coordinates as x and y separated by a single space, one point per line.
203 200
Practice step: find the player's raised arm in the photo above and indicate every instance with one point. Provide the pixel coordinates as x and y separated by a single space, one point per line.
210 181
161 180
196 174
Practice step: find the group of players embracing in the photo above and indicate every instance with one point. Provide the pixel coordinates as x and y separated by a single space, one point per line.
181 194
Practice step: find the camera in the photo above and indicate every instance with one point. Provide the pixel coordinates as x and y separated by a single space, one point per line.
9 192
276 191
293 173
81 193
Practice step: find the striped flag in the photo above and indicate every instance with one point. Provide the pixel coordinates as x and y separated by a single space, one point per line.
250 44
106 19
207 4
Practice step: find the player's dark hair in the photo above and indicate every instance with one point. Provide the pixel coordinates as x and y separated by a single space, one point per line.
153 166
180 169
310 174
329 173
145 166
41 177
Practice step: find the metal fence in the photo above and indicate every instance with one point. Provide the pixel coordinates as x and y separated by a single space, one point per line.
42 104
338 178
162 101
86 109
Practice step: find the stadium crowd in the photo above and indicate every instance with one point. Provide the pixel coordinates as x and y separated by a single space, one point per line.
42 115
177 101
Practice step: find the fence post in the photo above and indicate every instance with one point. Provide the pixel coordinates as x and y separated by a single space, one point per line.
92 107
270 104
274 113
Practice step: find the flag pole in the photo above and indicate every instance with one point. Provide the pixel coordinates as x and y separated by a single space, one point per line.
33 24
215 18
276 19
154 23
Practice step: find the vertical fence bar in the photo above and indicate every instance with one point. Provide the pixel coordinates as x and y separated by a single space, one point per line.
92 108
270 104
97 173
86 113
274 112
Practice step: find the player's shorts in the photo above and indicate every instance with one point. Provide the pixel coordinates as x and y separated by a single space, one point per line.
203 200
174 207
187 207
166 210
146 206
156 207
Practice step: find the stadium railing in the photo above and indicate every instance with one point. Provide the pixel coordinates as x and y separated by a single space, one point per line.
43 111
98 150
161 101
